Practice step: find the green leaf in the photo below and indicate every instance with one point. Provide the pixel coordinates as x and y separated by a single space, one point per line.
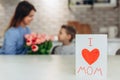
49 46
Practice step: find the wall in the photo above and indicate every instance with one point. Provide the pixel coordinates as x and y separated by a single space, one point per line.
51 14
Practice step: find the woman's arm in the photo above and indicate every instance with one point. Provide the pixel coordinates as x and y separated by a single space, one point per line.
10 42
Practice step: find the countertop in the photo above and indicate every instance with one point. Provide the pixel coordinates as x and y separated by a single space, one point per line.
44 67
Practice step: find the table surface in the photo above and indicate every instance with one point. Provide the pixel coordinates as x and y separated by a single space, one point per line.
44 67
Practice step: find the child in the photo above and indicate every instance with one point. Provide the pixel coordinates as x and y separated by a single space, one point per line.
65 36
14 36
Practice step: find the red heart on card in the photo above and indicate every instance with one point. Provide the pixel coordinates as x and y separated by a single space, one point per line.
90 56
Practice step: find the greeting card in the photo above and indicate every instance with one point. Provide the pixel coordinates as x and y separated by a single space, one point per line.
91 57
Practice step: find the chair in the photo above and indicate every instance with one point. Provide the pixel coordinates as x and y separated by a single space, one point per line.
80 27
118 52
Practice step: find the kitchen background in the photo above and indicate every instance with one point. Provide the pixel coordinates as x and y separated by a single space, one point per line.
51 14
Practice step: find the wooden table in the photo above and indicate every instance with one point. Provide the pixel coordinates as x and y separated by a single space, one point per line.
44 67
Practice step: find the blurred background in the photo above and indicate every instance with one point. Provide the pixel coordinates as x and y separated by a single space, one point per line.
88 16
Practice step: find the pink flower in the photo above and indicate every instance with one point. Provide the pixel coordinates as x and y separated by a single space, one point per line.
38 41
47 37
43 38
43 35
39 36
28 42
52 38
28 36
34 41
34 35
34 48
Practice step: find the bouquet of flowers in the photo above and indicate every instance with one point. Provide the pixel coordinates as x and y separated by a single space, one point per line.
38 43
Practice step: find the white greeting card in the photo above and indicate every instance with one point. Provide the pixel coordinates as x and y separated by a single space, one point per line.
91 57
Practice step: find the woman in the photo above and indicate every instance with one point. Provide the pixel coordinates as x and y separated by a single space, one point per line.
14 36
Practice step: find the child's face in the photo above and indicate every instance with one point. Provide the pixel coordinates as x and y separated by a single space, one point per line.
63 36
27 20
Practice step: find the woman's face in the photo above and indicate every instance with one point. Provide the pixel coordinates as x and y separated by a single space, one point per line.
27 20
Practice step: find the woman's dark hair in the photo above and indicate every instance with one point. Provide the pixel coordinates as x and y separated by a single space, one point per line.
22 10
70 30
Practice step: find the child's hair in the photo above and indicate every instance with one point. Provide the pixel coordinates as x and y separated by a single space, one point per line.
22 10
69 30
